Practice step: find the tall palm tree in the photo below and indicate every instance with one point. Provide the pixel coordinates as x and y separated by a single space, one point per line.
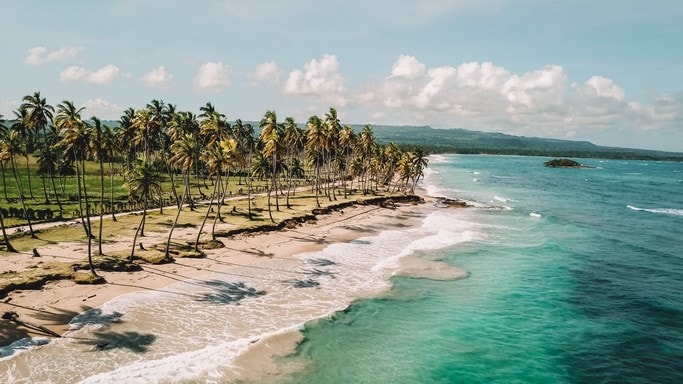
143 182
293 141
75 139
26 136
347 141
109 148
271 137
366 143
97 145
48 161
9 149
244 134
4 131
183 157
39 115
332 129
315 146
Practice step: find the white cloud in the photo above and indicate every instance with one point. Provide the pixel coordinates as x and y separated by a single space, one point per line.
212 77
265 72
320 78
602 87
104 75
102 109
158 78
408 67
485 96
41 55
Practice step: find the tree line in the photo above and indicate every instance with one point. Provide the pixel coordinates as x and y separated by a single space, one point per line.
158 150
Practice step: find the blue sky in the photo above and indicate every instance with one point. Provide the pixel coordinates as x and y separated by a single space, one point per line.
606 71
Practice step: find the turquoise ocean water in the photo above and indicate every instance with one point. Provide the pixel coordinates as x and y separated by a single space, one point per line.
575 276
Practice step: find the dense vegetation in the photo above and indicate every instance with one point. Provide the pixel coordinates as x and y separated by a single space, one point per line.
473 142
58 163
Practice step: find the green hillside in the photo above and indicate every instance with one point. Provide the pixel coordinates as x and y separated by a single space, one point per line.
465 141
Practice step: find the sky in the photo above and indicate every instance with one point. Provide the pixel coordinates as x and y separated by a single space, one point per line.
606 71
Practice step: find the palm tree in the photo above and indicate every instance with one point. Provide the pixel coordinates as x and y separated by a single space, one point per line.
109 148
9 149
25 134
271 137
315 146
48 160
347 141
293 140
38 115
75 139
143 182
183 151
244 134
3 137
332 129
366 144
419 162
98 150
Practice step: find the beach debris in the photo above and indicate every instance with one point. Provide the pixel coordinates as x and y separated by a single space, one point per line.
35 253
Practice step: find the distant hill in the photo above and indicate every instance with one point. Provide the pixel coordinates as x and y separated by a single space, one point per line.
465 141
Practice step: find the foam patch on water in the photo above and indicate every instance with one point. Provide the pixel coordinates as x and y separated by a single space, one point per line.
666 211
20 346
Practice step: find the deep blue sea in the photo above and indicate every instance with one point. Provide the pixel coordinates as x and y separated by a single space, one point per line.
575 276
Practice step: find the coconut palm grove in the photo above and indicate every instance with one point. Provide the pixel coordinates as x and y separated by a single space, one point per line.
58 163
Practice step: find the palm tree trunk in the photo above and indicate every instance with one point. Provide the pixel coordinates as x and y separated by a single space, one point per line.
170 233
99 239
4 182
28 174
220 203
5 238
201 227
80 201
21 195
111 189
42 180
142 223
54 189
87 219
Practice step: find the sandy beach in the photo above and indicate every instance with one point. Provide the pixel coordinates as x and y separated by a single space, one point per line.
56 304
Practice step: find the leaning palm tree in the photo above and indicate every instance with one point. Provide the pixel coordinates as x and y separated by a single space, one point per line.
143 182
38 115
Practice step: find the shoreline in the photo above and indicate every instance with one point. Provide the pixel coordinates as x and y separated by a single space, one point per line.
57 302
274 254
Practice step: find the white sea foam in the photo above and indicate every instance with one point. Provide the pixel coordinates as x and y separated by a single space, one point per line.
21 346
666 211
438 159
535 214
